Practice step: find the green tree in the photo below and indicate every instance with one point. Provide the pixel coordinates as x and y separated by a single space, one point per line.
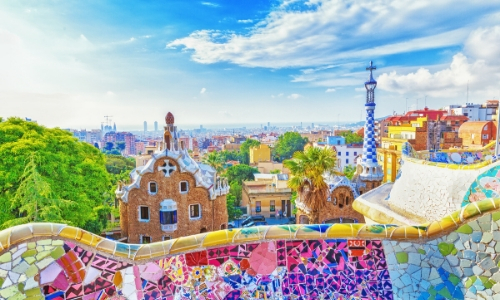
307 169
33 201
349 171
352 137
214 159
116 164
275 171
233 211
236 190
240 173
73 170
245 150
287 144
229 155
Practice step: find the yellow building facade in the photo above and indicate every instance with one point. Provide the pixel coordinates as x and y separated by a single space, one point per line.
390 152
267 195
260 153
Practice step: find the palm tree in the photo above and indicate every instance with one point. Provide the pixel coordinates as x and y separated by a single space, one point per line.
214 160
308 168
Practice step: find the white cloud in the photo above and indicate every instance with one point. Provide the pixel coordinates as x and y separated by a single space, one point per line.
225 113
330 90
211 4
321 32
477 68
294 96
110 93
203 90
245 21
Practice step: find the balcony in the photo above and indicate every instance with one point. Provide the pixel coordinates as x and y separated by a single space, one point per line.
268 190
169 227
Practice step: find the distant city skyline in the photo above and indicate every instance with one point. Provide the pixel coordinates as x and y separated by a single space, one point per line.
68 64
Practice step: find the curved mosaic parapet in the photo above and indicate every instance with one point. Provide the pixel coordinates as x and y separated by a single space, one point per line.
453 257
465 159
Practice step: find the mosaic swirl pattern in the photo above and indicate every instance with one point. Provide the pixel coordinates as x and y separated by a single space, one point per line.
453 158
455 258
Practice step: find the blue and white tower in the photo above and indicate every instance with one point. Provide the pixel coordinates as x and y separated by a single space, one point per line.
372 171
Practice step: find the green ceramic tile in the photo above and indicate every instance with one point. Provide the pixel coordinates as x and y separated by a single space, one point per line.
422 251
465 229
496 216
28 253
32 271
6 257
446 248
42 255
58 252
9 292
57 243
33 292
454 279
402 257
44 242
32 245
30 259
470 281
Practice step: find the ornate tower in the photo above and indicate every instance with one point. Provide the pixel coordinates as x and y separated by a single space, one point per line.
371 172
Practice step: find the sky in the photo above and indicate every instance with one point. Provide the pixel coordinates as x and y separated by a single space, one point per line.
70 63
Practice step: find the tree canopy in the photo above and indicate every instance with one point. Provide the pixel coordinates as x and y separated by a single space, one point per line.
352 137
116 164
287 144
240 173
64 169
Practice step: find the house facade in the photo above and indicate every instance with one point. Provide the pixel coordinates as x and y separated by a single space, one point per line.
172 195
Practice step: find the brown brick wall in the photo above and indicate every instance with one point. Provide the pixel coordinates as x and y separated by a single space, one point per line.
214 212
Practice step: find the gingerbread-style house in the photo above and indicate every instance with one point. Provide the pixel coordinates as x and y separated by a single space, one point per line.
172 195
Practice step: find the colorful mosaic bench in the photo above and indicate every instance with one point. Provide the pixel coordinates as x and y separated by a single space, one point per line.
455 258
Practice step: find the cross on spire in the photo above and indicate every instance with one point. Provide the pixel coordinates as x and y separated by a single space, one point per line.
371 67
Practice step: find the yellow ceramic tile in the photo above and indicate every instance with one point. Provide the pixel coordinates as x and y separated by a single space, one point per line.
309 232
470 211
434 229
215 238
107 246
399 233
412 232
340 231
20 233
144 252
69 232
486 205
89 239
157 250
118 279
185 243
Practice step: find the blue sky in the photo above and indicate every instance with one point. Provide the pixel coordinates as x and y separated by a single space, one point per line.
70 63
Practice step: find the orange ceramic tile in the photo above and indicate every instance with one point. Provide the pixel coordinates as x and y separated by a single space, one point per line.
117 279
